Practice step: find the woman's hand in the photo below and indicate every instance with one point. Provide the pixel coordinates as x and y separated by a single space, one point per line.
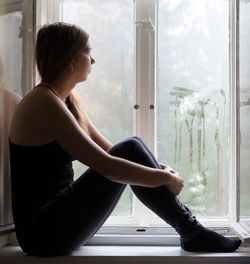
175 183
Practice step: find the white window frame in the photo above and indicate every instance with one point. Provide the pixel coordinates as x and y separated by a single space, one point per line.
241 227
145 116
27 33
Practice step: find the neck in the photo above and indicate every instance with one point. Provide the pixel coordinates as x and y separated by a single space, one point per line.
61 89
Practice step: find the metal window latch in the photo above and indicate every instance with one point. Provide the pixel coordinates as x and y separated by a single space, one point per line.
146 23
136 106
23 30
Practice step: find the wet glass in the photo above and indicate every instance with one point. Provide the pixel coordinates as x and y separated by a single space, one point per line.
193 100
10 51
107 95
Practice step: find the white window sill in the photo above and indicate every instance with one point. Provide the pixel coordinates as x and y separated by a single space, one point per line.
128 254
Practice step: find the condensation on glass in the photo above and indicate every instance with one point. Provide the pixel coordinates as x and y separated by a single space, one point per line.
193 100
10 51
108 93
10 79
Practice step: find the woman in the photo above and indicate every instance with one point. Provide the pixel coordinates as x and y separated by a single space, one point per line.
53 214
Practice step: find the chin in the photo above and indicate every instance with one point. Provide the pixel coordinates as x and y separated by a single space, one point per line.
84 79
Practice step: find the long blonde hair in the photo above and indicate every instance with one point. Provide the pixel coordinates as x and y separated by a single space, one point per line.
57 45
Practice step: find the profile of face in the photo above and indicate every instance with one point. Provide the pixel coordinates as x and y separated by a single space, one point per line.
82 64
63 48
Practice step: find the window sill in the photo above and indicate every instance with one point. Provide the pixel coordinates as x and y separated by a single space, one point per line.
128 254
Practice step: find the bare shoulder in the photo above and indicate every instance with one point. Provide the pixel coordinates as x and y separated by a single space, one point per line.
30 104
41 101
34 112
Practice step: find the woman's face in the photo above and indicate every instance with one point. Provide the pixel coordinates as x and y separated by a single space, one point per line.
83 63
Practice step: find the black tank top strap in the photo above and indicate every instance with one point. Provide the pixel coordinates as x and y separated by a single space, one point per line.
49 87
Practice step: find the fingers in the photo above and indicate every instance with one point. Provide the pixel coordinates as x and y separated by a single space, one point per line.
172 170
176 184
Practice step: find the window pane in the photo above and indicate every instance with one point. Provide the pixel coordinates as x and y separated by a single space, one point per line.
245 107
193 90
10 79
108 93
10 51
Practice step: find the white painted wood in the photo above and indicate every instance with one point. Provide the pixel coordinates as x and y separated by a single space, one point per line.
145 120
27 35
234 105
242 230
125 254
9 6
145 21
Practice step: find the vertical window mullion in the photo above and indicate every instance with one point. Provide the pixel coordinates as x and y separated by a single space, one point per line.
145 84
240 227
27 34
235 116
47 11
145 70
152 74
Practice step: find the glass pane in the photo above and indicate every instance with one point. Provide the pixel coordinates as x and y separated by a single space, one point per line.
193 99
108 93
245 107
10 79
10 51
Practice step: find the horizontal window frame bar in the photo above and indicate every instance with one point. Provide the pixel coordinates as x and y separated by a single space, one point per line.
142 230
124 221
10 6
128 236
7 229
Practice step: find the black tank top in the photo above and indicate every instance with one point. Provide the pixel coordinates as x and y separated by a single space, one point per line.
37 174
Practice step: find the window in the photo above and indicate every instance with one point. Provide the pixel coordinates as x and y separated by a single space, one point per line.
193 100
175 73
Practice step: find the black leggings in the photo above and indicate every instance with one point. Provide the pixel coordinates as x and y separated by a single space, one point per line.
82 208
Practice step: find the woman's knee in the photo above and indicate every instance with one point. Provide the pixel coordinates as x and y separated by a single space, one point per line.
126 147
135 141
138 139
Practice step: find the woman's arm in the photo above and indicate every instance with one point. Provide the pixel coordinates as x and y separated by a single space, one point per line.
54 119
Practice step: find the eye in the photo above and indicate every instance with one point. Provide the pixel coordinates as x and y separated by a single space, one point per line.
88 51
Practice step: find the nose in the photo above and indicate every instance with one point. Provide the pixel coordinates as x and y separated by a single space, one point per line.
92 60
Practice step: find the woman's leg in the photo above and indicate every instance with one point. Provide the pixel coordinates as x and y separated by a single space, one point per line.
157 165
194 237
160 200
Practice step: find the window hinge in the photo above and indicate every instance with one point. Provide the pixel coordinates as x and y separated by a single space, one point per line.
22 31
146 23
